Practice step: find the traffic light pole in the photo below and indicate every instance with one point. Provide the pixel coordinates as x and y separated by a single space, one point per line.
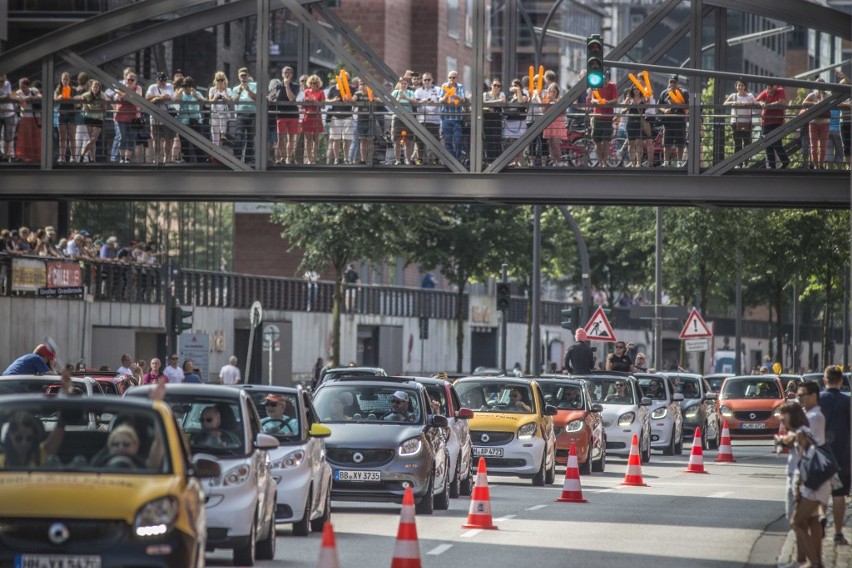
504 321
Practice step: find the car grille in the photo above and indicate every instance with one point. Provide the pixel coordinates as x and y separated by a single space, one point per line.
615 445
494 438
746 416
372 458
504 462
32 534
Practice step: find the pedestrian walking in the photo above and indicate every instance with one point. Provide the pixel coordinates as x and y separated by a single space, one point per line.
835 408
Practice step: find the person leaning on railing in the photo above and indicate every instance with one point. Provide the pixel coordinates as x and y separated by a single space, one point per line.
742 105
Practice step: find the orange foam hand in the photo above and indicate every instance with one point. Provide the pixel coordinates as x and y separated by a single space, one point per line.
649 92
540 77
344 81
339 86
597 95
636 82
676 96
531 79
370 94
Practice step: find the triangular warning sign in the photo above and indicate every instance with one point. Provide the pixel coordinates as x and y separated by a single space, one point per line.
695 327
598 327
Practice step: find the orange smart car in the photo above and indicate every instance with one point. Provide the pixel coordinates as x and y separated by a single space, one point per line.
750 404
578 421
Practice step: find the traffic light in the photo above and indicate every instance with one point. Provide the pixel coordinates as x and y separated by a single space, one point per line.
594 61
572 318
503 293
181 319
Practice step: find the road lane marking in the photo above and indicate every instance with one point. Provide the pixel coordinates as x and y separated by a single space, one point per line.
471 533
440 549
505 518
536 507
720 494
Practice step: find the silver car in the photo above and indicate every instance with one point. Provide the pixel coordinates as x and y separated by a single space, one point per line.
298 464
666 415
625 412
223 425
699 408
383 440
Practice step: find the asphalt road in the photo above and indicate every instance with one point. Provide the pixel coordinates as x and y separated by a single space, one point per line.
726 518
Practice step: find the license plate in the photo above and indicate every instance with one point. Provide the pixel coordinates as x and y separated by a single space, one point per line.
753 426
350 475
479 451
55 561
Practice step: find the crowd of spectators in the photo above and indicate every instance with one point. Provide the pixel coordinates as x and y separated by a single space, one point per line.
342 121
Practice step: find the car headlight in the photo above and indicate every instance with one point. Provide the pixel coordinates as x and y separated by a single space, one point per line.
726 411
527 431
574 426
659 413
626 419
234 476
777 413
410 447
691 413
156 517
291 460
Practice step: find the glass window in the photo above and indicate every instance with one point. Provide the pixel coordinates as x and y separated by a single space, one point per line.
610 390
563 396
453 16
494 396
368 403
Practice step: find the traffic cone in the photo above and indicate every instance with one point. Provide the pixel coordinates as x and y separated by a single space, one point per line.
328 553
725 452
782 431
571 490
696 458
479 516
406 552
634 466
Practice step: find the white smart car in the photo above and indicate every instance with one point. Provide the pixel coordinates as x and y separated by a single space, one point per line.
666 415
625 412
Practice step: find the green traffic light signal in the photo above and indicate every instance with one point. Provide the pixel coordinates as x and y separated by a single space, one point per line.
594 62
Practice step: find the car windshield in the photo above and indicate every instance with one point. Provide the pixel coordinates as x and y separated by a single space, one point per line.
750 387
652 387
387 404
279 413
493 395
610 390
564 396
213 425
83 435
687 386
37 385
716 383
437 399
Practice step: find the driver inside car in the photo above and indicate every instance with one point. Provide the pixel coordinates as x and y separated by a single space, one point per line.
399 408
212 433
620 396
570 399
276 422
655 391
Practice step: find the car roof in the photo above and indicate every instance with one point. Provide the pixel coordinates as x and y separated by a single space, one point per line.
137 402
191 389
604 375
266 388
431 381
377 371
507 379
681 374
566 379
368 380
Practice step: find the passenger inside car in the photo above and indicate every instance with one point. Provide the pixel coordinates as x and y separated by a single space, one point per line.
25 443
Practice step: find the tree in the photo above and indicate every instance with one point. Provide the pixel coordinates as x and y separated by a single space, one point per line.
335 235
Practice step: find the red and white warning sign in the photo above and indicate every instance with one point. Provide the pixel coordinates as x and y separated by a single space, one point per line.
598 327
695 327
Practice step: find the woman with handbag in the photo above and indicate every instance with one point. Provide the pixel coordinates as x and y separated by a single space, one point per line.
742 105
809 488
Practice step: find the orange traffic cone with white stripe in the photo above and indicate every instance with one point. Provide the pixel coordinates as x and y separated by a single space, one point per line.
634 466
406 553
479 516
782 431
571 490
726 454
696 458
328 553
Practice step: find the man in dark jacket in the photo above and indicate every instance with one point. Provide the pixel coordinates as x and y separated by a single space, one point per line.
835 408
579 360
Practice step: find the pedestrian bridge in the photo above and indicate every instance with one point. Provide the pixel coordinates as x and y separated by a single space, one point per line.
489 167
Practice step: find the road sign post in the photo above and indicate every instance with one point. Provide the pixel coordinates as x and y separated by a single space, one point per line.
255 317
271 333
599 328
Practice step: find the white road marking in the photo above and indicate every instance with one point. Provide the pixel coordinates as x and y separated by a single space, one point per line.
536 507
470 533
440 549
505 518
720 494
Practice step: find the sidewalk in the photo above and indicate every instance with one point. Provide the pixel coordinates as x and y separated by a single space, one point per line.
833 556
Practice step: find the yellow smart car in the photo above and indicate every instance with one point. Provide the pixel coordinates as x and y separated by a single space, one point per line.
121 493
512 427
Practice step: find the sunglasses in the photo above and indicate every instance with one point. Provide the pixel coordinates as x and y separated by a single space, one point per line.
208 419
496 85
131 80
121 444
427 79
270 404
397 401
619 385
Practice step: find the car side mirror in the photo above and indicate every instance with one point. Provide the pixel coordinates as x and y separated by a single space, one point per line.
438 421
711 396
265 442
596 407
464 414
677 397
319 431
203 467
645 401
550 410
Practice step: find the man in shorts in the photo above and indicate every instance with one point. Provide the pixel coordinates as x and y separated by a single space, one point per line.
287 121
674 120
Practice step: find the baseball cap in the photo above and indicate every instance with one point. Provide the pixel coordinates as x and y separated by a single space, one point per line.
673 78
85 233
161 76
44 351
243 70
112 240
400 395
274 398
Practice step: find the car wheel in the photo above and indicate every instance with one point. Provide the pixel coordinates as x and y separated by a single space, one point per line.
454 485
600 465
646 453
303 527
550 474
671 449
426 506
679 445
442 499
538 478
466 484
586 468
266 547
245 555
318 524
717 439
